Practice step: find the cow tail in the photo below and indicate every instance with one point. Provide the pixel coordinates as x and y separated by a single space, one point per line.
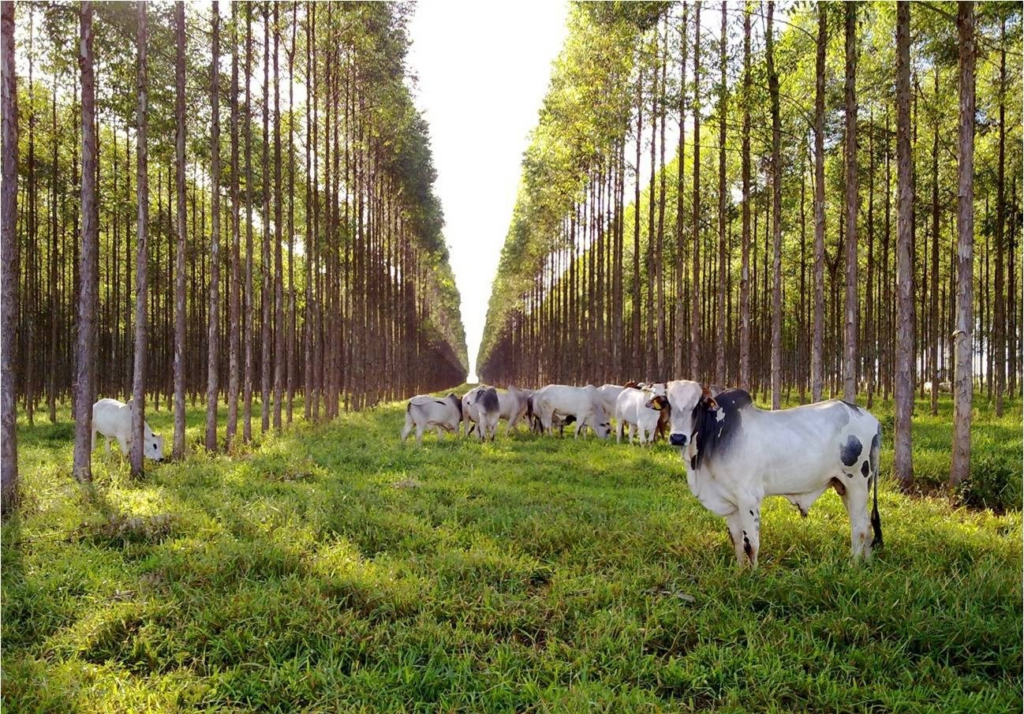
876 519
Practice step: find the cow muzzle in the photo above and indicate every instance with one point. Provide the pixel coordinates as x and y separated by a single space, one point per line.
678 440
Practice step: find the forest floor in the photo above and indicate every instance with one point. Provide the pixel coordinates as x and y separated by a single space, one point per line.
334 569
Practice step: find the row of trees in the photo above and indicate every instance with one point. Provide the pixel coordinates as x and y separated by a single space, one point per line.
278 236
832 248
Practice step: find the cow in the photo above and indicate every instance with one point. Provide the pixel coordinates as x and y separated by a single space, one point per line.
486 408
737 454
513 406
425 411
642 409
535 424
559 402
113 420
608 393
469 409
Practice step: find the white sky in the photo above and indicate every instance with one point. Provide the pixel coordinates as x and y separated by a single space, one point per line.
481 92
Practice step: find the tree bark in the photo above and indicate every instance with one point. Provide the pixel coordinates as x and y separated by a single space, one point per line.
248 312
818 337
180 335
904 383
680 261
1000 300
9 263
694 296
963 383
850 336
279 332
234 286
213 342
138 443
266 346
745 266
88 278
773 90
720 343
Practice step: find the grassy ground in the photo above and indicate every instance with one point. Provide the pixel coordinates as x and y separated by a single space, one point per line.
333 569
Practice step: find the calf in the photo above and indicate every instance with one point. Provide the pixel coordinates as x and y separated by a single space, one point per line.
424 412
640 408
113 420
559 402
737 454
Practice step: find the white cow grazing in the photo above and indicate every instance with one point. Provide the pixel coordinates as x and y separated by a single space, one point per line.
513 406
485 406
558 402
737 454
642 409
425 412
113 419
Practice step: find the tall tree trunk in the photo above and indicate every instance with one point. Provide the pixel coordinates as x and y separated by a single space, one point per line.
659 246
680 261
141 252
694 296
1000 304
850 337
637 364
213 343
248 312
234 330
180 335
291 217
818 337
9 263
266 346
279 331
773 90
745 266
720 343
933 342
88 278
904 383
963 383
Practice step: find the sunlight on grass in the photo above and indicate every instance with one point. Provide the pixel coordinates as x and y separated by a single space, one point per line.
335 568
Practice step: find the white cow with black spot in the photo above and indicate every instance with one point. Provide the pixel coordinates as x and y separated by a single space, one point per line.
424 412
737 454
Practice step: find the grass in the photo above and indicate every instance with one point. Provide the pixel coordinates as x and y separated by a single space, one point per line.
333 569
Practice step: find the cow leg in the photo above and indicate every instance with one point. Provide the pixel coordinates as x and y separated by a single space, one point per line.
420 428
408 426
439 435
580 423
618 432
745 532
123 443
630 428
855 498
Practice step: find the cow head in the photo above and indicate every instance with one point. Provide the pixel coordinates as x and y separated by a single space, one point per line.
154 444
683 398
657 403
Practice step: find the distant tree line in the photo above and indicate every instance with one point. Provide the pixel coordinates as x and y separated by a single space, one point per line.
830 247
201 207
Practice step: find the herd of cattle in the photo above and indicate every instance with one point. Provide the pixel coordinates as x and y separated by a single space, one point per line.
735 454
643 407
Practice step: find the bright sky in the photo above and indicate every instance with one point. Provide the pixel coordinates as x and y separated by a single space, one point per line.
483 71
